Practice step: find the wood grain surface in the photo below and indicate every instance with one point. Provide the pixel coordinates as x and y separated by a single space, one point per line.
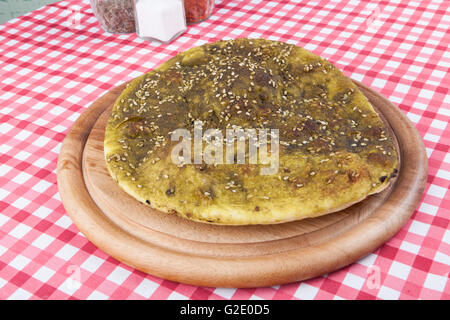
230 256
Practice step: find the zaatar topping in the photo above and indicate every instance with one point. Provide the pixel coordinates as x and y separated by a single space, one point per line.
334 149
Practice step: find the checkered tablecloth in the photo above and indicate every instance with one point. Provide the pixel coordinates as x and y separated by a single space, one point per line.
55 61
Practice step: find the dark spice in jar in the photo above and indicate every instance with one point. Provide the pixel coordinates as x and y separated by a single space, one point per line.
198 10
115 16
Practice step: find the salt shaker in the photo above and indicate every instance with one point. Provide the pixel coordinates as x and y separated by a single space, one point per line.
161 20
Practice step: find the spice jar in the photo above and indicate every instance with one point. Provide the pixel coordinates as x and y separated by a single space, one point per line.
115 16
198 10
161 20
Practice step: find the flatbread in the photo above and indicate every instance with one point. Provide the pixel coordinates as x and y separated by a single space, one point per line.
334 148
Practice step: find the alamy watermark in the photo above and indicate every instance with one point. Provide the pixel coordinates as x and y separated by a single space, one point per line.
373 277
374 20
74 16
211 147
73 283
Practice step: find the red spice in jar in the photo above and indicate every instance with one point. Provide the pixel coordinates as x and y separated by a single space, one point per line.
198 10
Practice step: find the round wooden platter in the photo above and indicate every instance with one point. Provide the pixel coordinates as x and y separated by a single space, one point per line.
230 256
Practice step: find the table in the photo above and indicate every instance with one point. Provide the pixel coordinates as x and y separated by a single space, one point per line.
56 61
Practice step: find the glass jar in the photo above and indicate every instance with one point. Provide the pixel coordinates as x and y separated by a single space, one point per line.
198 10
161 20
115 16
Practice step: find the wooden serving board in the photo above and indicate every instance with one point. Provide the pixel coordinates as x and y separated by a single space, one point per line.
230 256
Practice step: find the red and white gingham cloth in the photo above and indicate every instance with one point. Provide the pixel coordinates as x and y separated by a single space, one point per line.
54 63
